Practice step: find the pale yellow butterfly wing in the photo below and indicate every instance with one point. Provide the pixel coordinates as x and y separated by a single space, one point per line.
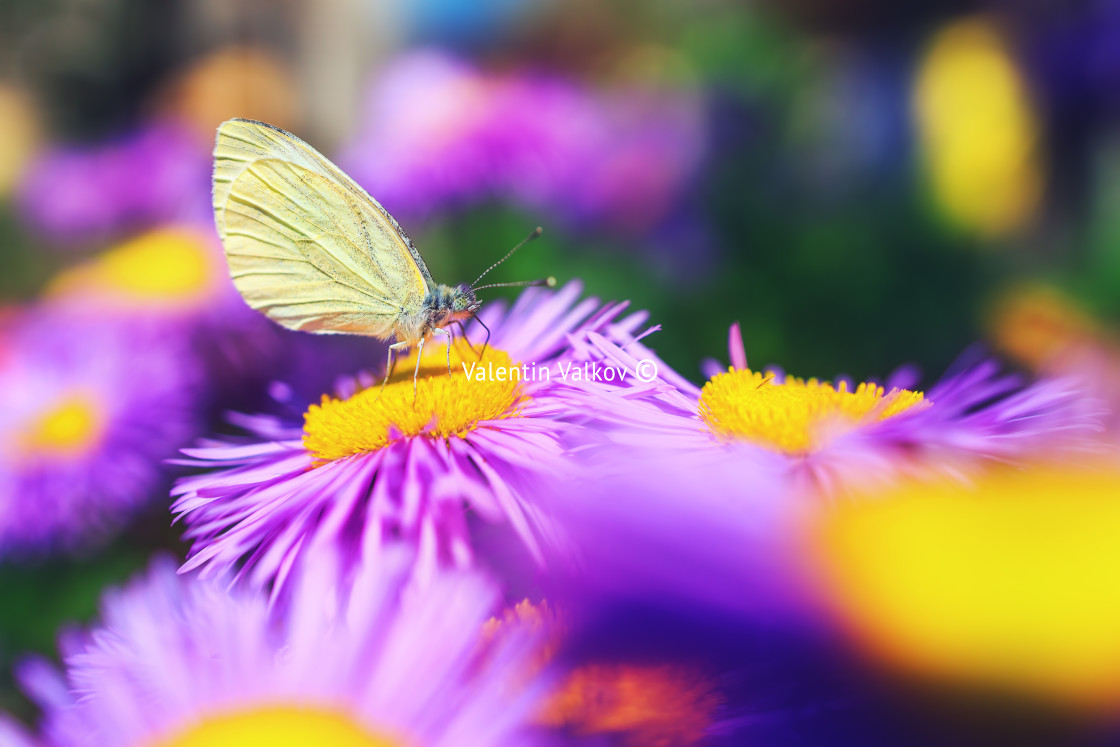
305 244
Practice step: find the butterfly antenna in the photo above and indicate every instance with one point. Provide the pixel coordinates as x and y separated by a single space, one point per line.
536 232
549 282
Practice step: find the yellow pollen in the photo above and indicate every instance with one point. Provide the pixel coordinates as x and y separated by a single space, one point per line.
524 614
444 406
278 726
166 265
71 426
541 618
794 416
648 705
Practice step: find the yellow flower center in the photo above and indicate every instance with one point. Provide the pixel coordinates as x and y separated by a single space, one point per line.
648 704
278 726
168 266
443 406
73 425
1010 582
794 416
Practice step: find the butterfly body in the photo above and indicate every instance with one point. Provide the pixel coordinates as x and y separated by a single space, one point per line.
442 306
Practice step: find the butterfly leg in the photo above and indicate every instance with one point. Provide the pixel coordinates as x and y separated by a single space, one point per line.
416 373
440 331
389 364
486 341
463 334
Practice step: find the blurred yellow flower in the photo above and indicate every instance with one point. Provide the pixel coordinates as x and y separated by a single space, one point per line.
73 425
19 135
232 82
1037 325
1050 333
977 130
166 268
1008 583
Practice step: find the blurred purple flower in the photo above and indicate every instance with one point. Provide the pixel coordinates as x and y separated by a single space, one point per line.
157 173
371 466
680 530
689 563
13 734
177 660
441 134
89 411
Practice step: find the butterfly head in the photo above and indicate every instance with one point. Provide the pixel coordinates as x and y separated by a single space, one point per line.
463 302
446 304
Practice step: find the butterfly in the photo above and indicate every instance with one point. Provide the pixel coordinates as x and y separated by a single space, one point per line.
311 250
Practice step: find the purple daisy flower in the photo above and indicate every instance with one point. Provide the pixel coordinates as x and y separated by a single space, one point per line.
441 133
180 662
152 175
683 545
371 465
89 411
828 436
